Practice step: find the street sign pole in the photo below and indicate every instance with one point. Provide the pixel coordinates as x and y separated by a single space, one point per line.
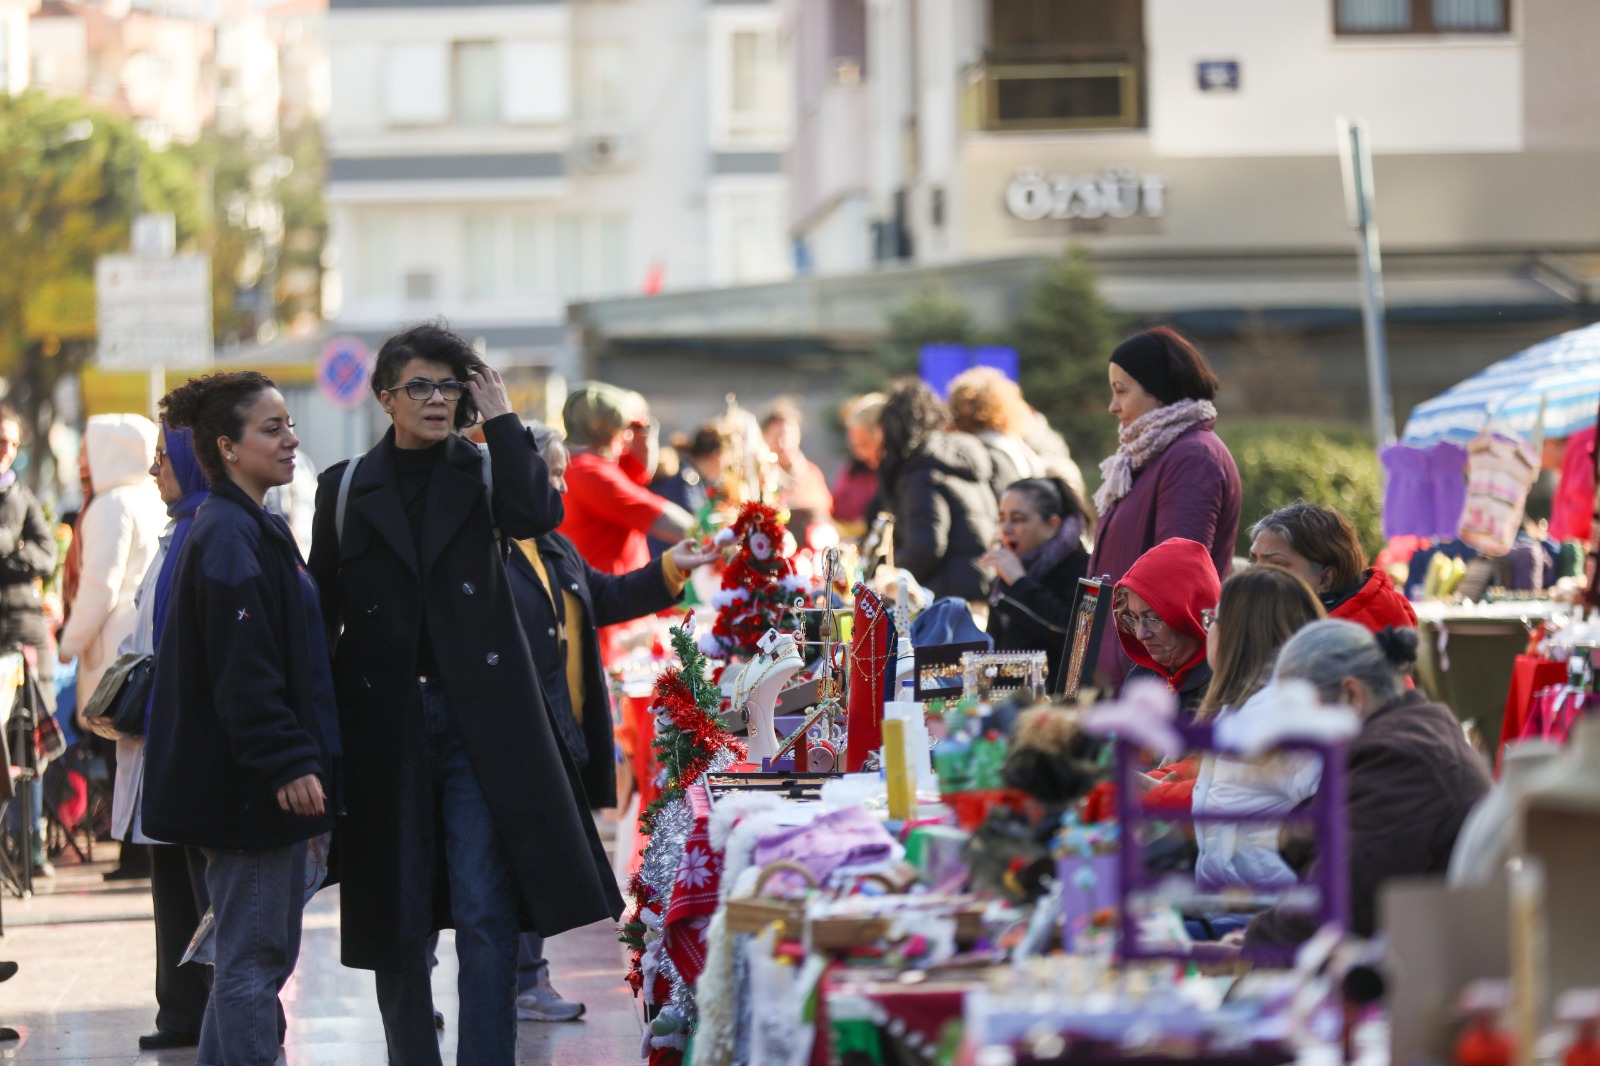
1355 158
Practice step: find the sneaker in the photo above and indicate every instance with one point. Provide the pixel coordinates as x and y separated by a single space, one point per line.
542 1003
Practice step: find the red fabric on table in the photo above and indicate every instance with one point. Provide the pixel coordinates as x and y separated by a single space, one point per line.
922 1009
1529 674
694 893
1552 712
869 664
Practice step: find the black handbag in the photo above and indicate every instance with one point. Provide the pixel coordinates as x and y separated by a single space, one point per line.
116 710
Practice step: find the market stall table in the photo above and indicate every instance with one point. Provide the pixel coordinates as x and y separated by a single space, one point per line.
1467 654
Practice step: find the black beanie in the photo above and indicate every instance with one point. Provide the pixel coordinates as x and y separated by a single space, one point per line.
1148 362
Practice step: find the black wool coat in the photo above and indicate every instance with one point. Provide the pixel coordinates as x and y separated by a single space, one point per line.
376 586
1035 613
242 702
607 599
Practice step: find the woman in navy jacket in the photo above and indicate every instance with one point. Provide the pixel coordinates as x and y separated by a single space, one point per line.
241 755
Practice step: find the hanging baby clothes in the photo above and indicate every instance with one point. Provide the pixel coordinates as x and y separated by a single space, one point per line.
1500 471
1572 511
1425 492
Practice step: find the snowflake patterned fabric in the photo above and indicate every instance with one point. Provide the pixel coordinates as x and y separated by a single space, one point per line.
694 894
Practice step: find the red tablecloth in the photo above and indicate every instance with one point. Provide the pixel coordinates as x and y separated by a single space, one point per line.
1529 674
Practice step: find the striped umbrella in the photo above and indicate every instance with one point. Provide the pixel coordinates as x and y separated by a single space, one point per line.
1557 381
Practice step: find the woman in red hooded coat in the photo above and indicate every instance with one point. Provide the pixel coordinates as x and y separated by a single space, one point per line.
1157 607
1321 547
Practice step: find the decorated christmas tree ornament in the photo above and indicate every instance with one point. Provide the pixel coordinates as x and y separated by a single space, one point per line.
758 584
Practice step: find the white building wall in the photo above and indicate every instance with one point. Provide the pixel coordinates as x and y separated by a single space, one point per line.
14 64
652 170
248 89
1460 93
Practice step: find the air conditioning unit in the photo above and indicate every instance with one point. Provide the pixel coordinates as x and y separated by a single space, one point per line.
603 153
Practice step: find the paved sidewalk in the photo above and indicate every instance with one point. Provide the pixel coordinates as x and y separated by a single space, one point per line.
87 957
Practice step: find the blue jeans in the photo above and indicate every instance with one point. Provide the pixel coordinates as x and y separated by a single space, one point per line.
257 898
483 900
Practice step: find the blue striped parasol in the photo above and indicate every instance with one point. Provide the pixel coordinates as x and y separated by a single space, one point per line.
1559 376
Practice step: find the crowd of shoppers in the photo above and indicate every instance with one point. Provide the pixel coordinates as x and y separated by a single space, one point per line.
422 703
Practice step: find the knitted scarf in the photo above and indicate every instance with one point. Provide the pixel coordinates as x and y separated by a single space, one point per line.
1142 440
1047 556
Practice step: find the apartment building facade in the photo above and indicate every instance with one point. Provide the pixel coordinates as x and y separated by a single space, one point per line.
1191 148
491 162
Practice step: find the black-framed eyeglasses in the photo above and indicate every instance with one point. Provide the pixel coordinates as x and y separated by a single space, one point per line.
422 391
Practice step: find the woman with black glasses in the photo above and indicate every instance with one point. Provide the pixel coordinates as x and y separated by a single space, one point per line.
444 723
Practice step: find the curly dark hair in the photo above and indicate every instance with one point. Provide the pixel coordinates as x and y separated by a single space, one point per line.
436 344
214 406
912 414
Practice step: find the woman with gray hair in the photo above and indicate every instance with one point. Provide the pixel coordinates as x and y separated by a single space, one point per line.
1412 776
1319 545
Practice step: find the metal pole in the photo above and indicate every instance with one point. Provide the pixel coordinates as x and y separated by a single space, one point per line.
1355 152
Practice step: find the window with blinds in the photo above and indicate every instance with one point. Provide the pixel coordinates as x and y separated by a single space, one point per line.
1366 17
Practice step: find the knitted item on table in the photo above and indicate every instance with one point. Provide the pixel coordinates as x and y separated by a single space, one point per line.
872 648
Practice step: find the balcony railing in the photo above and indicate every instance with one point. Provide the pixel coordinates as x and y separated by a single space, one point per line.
1103 93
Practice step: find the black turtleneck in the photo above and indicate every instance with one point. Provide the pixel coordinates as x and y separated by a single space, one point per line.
413 468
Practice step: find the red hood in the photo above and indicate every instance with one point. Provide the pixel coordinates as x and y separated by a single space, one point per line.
1178 580
1377 605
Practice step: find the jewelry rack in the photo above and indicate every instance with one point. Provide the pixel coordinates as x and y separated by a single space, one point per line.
829 689
983 672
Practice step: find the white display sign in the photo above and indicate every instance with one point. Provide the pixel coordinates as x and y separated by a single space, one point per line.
153 311
1116 192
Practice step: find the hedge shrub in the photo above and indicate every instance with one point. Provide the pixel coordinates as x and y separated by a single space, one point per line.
1280 462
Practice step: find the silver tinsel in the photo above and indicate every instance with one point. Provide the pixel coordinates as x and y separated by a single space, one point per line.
668 837
659 869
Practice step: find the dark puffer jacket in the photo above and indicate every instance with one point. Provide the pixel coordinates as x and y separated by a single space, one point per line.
945 515
27 554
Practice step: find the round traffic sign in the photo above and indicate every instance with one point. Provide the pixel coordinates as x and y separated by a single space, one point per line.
344 371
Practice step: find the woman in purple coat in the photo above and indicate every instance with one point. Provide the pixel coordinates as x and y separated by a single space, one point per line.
1171 475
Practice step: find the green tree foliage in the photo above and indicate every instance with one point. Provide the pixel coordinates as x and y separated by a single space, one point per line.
1281 462
1063 338
930 315
67 191
305 224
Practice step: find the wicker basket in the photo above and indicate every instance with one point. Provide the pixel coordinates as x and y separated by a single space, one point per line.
752 914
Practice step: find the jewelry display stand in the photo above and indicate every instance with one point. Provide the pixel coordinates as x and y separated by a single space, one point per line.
815 745
996 671
755 693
